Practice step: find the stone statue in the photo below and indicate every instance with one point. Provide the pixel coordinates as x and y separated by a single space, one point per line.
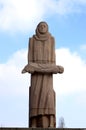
42 66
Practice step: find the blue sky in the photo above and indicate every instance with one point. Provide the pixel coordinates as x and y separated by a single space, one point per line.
67 23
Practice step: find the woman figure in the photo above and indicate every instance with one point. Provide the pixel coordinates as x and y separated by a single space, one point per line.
41 65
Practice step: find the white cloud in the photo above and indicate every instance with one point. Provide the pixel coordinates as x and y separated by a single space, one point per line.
83 47
12 82
24 15
20 14
72 80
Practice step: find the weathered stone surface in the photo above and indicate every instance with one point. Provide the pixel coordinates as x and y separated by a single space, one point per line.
42 66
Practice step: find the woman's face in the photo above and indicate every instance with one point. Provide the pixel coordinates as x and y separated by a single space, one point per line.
42 28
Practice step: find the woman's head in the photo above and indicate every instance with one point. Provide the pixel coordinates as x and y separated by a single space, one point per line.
42 27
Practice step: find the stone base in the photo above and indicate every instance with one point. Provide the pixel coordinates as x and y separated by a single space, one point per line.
6 128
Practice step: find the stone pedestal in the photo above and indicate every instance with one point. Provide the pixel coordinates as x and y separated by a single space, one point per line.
6 128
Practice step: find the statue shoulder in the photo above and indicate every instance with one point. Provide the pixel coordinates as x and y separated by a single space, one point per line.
31 39
52 39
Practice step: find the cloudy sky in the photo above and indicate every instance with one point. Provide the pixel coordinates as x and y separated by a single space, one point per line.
67 23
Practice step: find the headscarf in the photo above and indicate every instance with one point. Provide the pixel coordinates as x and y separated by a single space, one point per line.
40 36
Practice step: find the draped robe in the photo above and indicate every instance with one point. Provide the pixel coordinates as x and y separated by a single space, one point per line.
41 95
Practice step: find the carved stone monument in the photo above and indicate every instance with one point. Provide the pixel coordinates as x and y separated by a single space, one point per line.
42 66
